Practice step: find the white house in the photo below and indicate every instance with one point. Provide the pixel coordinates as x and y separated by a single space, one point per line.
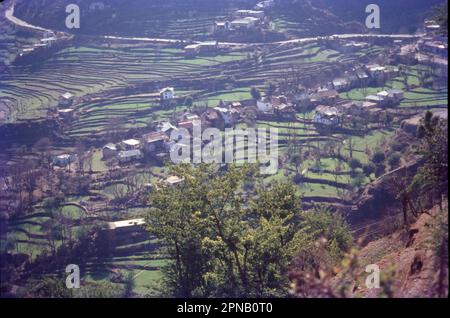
326 115
66 100
129 155
264 105
223 26
109 151
250 13
64 160
126 225
264 4
167 93
172 181
377 99
226 114
247 22
131 144
341 84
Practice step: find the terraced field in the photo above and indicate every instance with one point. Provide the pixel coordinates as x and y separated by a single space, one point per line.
170 18
109 67
416 96
86 69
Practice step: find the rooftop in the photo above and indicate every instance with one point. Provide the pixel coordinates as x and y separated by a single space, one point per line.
172 180
154 137
374 98
131 142
110 146
67 95
125 223
170 89
327 110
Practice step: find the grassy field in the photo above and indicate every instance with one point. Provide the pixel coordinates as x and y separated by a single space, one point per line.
414 97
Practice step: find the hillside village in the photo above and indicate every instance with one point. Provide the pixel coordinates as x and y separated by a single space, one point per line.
332 113
345 106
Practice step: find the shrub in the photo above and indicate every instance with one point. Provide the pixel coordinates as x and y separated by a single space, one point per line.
394 160
355 164
398 146
378 157
369 168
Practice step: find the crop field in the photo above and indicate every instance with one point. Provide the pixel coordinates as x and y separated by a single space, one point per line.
106 67
416 96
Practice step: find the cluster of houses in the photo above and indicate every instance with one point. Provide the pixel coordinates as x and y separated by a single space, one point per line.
48 39
368 75
64 160
65 110
204 48
345 46
45 44
431 50
275 107
387 98
332 114
159 143
244 19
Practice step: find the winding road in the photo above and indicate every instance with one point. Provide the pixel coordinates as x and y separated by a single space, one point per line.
9 15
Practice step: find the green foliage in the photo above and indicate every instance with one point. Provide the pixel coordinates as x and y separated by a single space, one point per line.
256 94
394 160
378 157
432 177
327 229
440 14
221 242
369 168
355 164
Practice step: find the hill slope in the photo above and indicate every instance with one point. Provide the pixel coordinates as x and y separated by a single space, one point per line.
413 263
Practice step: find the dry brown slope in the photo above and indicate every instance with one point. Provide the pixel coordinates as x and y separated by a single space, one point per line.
410 257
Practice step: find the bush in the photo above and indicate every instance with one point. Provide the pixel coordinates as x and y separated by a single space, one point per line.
355 164
398 146
394 160
378 157
297 179
369 168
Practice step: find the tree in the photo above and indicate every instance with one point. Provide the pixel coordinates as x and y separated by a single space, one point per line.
394 160
189 101
369 168
331 230
219 244
378 157
297 160
354 164
43 146
432 177
440 15
256 94
271 89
